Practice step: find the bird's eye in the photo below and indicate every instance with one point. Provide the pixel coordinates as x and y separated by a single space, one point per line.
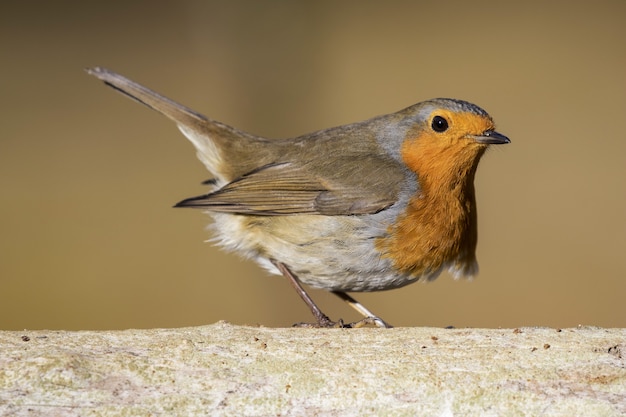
439 124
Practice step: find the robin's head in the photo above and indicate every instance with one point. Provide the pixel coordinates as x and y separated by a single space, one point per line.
443 140
447 136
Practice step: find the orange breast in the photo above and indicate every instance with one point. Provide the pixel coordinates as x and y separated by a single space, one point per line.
439 224
431 233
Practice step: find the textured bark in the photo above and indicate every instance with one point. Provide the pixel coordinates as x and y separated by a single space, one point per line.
224 369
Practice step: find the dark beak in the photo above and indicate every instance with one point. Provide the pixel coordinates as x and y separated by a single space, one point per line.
491 137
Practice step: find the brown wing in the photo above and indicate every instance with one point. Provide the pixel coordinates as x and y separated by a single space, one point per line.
286 189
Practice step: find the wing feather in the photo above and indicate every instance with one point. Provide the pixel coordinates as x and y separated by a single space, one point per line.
286 189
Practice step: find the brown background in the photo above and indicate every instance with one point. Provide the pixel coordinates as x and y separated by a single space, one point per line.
88 237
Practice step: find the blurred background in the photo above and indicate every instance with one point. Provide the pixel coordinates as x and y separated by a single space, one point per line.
88 235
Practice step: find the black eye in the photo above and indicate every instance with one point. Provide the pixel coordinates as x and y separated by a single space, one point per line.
439 124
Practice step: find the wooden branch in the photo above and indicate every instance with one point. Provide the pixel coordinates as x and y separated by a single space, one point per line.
224 369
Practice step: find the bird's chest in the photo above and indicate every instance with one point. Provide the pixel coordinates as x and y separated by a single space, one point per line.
433 232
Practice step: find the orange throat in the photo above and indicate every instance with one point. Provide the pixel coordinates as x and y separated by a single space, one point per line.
438 228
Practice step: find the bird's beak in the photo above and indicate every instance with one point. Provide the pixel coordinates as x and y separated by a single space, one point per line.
491 137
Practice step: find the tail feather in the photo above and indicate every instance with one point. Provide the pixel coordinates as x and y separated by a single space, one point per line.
173 110
208 136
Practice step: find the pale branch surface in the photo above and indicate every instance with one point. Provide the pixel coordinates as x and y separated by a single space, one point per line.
222 369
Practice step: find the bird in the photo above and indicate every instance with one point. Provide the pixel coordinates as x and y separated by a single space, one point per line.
368 206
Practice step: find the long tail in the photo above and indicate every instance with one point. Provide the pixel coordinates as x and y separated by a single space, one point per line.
208 136
173 110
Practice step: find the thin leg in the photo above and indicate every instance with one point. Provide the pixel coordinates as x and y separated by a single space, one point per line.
322 319
370 318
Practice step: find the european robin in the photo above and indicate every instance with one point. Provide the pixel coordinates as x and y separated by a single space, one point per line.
368 206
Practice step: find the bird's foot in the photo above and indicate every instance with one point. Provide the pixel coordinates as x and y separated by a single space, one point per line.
326 323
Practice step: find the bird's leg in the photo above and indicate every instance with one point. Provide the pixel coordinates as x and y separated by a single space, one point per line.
370 318
322 319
